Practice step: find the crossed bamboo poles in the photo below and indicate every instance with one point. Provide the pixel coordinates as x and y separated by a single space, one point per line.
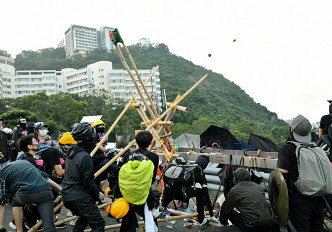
133 104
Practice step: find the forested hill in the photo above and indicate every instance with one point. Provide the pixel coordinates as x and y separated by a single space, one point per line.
216 101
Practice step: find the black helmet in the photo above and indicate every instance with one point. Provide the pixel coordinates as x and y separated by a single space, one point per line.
82 132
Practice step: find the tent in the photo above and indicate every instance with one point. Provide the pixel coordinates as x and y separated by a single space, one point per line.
215 134
262 143
186 141
241 145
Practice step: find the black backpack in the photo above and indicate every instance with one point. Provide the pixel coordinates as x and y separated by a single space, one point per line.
178 175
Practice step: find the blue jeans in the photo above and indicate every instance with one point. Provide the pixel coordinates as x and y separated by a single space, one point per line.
44 202
89 215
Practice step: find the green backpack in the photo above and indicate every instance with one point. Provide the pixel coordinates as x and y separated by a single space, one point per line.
135 179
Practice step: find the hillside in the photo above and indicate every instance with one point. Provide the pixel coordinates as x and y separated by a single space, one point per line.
216 101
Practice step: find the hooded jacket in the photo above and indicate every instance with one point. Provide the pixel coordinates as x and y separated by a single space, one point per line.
248 198
78 179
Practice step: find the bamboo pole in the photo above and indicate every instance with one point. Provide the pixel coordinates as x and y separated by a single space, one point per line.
125 65
181 108
120 116
39 223
169 218
154 132
179 99
74 217
140 80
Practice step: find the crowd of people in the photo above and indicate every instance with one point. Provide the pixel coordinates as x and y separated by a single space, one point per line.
35 170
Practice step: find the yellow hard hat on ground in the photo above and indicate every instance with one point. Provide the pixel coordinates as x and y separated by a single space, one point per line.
99 122
66 138
119 208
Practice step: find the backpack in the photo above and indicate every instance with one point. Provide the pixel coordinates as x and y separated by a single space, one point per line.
315 170
135 178
178 175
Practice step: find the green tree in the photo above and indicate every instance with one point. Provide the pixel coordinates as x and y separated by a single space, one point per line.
11 117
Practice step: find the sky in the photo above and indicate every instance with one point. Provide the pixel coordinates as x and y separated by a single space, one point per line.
278 51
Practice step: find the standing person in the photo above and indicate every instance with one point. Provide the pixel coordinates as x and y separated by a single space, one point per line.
255 214
21 129
325 121
80 192
129 222
28 186
196 186
305 212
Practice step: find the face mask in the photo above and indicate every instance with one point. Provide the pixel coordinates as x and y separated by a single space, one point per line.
100 129
43 133
23 125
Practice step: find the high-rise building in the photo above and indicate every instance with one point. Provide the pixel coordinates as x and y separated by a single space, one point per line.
79 40
105 40
7 71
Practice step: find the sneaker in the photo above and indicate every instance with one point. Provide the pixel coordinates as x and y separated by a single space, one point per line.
12 225
205 221
73 222
213 219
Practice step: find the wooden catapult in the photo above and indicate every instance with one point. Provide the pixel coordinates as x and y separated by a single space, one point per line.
156 124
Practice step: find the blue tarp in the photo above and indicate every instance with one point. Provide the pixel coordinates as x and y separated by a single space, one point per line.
241 145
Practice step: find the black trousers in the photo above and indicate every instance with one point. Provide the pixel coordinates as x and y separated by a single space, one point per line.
239 222
89 215
184 196
307 216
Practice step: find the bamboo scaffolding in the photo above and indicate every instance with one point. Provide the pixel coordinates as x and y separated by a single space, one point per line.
140 80
125 65
120 115
176 102
153 131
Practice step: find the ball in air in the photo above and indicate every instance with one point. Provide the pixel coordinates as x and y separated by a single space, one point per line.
209 55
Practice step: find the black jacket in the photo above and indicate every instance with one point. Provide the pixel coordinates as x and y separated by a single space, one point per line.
248 197
78 179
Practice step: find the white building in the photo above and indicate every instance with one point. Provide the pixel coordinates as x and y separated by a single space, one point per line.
94 78
7 71
105 40
35 81
79 40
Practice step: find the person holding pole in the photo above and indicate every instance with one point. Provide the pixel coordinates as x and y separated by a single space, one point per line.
80 192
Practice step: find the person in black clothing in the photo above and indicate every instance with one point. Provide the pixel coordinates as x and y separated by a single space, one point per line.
21 129
143 140
80 192
306 213
29 145
325 122
201 193
248 198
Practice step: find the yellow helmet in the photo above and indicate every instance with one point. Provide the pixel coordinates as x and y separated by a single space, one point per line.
98 122
119 208
66 138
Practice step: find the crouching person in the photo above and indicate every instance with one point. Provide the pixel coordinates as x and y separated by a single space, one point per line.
28 186
255 214
80 192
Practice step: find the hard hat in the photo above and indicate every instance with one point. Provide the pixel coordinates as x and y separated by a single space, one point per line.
119 208
98 122
82 132
66 138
